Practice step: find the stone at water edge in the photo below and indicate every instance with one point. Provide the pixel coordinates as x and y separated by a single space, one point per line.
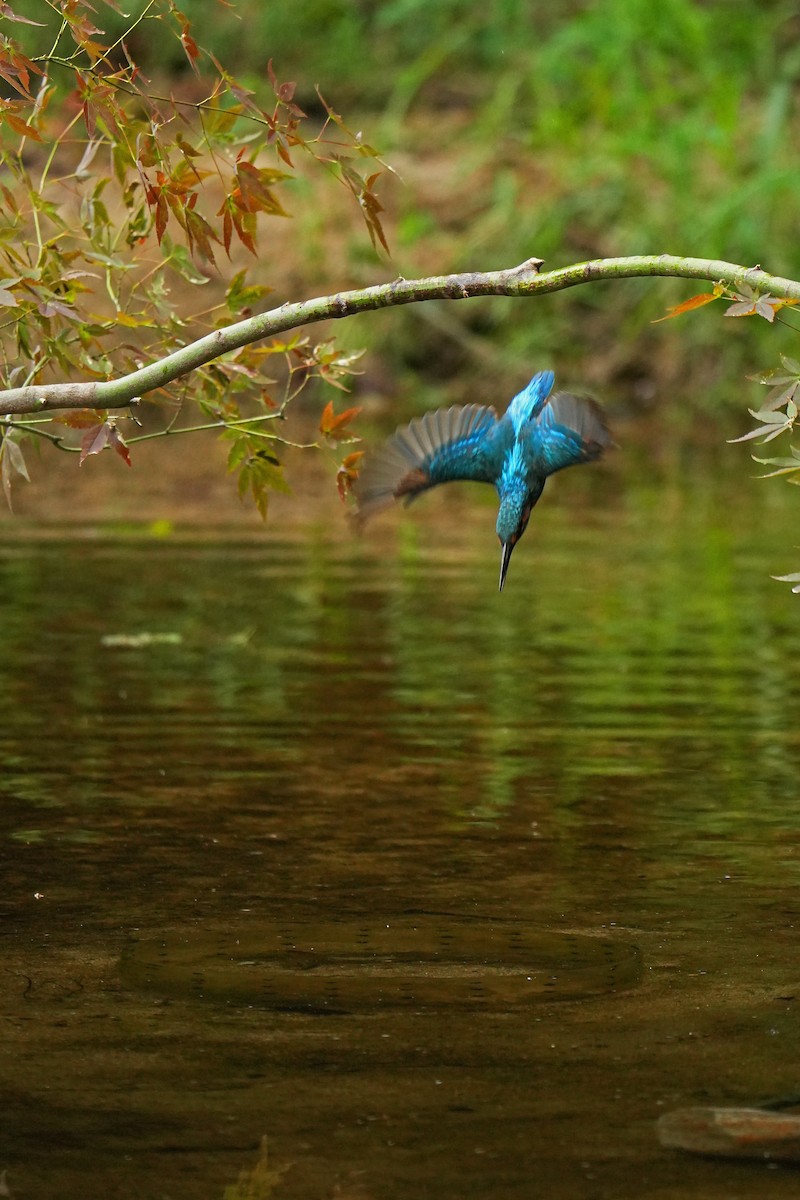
733 1133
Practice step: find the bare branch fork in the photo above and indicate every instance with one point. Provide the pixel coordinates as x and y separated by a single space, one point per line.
524 280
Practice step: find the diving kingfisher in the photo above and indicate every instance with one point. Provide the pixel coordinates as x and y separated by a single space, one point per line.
538 435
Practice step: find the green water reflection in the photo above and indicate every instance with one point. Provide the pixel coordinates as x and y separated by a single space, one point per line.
317 729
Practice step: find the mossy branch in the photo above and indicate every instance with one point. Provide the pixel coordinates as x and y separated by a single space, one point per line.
524 280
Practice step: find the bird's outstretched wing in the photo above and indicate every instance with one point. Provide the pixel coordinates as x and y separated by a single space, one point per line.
568 430
449 444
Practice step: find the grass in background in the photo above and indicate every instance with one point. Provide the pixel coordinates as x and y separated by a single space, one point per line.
570 131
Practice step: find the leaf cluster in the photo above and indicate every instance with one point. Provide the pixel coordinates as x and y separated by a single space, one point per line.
124 206
779 412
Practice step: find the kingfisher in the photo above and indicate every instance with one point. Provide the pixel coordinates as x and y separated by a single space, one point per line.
541 432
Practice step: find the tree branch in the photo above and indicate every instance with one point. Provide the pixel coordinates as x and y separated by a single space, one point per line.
524 280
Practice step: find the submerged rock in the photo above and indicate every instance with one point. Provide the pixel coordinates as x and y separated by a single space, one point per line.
355 964
733 1132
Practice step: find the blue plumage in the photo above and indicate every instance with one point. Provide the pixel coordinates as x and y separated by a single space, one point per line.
530 401
539 433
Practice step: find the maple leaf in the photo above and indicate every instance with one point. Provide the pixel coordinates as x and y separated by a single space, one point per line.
748 303
7 12
334 425
773 424
15 67
784 383
199 235
256 195
93 441
692 303
80 418
793 578
788 465
191 49
97 437
259 473
347 474
118 445
10 118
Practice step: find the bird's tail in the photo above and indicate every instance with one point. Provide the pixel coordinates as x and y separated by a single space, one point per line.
379 478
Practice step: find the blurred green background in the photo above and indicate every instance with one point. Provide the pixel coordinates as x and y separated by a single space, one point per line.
518 128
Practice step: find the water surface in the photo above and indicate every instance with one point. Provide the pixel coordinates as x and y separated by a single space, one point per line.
212 736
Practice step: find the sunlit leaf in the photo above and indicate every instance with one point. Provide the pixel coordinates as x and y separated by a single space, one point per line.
793 578
748 303
773 425
19 126
785 465
688 305
768 415
741 308
334 425
129 321
781 396
16 69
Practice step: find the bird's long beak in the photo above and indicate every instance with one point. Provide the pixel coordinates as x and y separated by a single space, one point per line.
505 559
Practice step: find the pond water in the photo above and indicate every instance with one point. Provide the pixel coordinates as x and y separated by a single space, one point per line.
440 892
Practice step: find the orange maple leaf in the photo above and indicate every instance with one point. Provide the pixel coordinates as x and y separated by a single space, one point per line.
334 425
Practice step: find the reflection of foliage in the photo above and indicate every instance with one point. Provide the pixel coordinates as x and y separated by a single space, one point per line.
616 681
120 201
642 681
